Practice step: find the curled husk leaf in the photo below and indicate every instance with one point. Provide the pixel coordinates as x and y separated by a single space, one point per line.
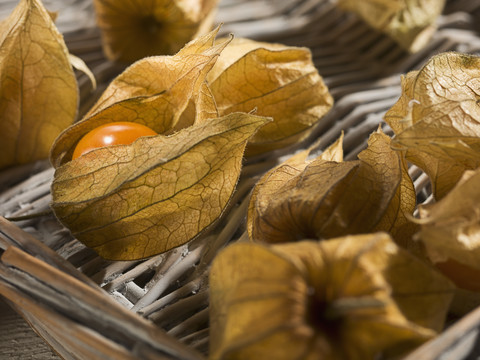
325 197
134 30
134 201
165 93
450 228
410 23
437 118
354 297
38 89
277 81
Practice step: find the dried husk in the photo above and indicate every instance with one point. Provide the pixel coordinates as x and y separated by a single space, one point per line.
450 228
325 197
134 30
165 93
437 119
273 80
410 23
347 298
133 201
38 89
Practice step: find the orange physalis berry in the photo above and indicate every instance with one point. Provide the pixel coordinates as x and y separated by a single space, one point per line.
115 133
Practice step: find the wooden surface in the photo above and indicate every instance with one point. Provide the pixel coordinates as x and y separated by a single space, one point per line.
18 340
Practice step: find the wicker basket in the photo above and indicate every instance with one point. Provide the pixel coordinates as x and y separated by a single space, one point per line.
88 308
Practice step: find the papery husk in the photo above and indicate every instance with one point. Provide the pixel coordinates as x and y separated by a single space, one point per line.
38 88
464 301
437 119
274 80
134 30
164 93
450 228
325 198
134 201
347 298
410 23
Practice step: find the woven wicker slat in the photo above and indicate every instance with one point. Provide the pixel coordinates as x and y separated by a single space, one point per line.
83 304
